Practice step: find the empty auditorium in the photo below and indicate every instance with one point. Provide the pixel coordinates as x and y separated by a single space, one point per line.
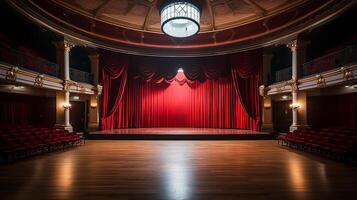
178 99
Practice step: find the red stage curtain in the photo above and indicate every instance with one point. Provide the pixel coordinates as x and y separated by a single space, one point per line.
211 104
246 70
114 78
156 97
165 69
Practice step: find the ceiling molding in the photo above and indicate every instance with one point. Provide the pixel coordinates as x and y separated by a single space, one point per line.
177 49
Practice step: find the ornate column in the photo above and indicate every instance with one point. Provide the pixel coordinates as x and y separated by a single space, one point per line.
293 46
298 104
62 98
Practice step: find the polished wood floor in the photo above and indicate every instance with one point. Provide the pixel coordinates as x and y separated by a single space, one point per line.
137 170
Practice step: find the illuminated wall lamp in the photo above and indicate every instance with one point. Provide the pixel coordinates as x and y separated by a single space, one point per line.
93 106
294 106
267 105
66 106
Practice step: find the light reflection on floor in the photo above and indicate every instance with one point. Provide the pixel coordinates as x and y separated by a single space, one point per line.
64 176
177 170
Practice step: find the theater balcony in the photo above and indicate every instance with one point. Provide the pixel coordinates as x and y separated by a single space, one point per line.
17 66
328 70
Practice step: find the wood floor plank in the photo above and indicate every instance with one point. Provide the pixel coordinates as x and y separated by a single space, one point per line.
178 170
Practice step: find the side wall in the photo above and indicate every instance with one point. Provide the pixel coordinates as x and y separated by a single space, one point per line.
332 111
23 110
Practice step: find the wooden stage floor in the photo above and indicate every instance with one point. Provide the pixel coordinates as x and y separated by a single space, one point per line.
178 170
178 133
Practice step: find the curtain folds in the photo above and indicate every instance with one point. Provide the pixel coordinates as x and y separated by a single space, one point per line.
165 69
210 104
114 80
149 92
246 71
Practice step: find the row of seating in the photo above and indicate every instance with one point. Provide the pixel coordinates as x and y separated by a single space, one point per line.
336 143
22 142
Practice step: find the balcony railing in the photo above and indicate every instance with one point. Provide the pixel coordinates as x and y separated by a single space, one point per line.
327 62
330 61
23 60
80 76
33 63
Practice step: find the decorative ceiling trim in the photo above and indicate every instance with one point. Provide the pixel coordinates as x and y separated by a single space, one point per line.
282 8
270 37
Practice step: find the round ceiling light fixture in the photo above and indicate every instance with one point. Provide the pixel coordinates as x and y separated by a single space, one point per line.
180 18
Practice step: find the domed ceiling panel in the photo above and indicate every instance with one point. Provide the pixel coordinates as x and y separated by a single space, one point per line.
133 26
144 14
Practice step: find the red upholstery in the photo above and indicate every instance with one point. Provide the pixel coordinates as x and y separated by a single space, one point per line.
337 142
18 142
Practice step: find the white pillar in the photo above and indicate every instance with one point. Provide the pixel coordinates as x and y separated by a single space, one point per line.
298 105
294 76
295 110
62 99
66 110
294 65
67 48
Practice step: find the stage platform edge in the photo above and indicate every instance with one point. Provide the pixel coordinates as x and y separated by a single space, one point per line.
178 134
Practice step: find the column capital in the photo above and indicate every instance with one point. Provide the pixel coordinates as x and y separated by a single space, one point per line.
68 45
292 45
64 45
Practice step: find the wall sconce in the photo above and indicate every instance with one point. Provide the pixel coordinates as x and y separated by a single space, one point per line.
75 97
93 105
294 106
267 105
285 97
66 106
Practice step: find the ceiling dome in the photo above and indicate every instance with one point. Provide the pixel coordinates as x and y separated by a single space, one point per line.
134 26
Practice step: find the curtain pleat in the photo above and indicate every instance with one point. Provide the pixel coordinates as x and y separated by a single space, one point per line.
214 92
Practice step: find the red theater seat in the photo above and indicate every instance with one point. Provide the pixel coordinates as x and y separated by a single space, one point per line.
19 142
333 142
